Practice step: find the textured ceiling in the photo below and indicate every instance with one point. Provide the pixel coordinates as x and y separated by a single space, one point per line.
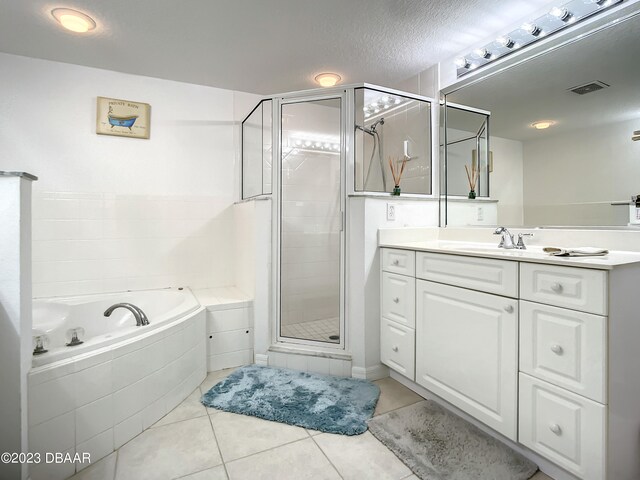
261 46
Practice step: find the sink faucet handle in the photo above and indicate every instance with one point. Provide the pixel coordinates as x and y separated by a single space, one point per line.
520 245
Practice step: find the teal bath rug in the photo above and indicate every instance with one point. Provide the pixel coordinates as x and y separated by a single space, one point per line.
319 402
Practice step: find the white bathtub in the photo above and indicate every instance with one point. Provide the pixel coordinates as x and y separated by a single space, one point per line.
97 396
55 317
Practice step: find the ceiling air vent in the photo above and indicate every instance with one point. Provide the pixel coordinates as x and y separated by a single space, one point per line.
589 87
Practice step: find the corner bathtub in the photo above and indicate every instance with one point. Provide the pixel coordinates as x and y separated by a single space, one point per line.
57 316
97 396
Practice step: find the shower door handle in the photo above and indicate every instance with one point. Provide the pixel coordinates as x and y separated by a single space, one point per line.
343 221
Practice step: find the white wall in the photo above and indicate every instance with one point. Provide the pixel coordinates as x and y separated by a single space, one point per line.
366 216
572 178
15 318
507 180
113 213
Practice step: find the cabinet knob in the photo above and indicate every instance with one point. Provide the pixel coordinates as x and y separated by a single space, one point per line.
396 300
555 428
395 348
556 287
557 349
396 262
508 308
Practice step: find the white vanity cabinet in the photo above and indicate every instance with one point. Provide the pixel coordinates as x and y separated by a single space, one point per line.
467 351
398 307
547 355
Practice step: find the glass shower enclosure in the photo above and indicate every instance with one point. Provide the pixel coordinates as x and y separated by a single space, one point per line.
309 152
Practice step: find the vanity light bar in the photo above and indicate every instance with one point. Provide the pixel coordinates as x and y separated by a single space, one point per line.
556 19
383 103
303 144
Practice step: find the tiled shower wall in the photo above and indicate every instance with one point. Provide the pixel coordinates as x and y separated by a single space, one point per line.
310 237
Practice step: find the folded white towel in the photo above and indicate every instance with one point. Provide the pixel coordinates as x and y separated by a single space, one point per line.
575 252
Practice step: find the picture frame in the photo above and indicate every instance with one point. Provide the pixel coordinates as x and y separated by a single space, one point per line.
123 118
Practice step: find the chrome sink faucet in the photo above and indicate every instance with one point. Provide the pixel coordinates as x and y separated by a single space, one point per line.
138 314
507 238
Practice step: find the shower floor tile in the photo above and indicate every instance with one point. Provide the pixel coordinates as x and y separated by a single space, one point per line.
319 330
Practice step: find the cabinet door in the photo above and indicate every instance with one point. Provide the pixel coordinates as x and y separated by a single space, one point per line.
564 347
566 428
467 351
398 298
397 347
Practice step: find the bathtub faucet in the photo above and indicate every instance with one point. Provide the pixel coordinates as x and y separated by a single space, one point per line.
138 314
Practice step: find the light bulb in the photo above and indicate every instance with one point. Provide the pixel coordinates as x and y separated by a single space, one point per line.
327 79
462 62
73 20
505 42
561 13
532 29
543 124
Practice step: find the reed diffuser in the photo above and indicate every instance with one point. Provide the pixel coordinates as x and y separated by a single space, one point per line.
472 177
397 168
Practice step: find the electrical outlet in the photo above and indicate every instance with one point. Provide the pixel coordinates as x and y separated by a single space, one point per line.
480 214
391 212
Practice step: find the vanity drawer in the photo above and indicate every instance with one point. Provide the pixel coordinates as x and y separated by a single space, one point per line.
564 347
564 427
399 298
483 274
399 261
576 288
397 347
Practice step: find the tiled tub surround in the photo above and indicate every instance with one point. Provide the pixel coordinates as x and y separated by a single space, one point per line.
87 243
96 402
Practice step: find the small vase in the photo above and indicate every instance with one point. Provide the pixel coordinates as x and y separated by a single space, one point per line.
472 194
396 190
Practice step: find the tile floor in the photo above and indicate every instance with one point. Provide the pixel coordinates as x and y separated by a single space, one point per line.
319 330
197 443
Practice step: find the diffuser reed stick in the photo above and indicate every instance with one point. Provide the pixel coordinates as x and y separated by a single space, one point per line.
472 177
397 168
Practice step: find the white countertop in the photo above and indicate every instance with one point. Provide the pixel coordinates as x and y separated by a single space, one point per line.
222 298
533 254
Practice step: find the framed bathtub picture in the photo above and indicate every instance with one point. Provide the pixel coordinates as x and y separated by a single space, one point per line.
123 118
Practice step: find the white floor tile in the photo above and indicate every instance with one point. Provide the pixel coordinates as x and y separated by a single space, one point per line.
169 451
241 435
215 377
104 469
215 473
189 408
361 456
296 461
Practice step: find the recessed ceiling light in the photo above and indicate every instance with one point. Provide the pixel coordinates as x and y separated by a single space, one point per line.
541 125
328 79
73 20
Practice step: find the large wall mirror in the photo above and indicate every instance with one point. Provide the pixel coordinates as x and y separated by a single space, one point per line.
583 169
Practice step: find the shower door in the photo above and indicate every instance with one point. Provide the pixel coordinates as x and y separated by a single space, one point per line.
311 206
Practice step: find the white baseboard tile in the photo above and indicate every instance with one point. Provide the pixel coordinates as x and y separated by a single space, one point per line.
230 359
375 372
261 359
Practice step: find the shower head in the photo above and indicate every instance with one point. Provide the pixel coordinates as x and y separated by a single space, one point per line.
376 123
372 129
